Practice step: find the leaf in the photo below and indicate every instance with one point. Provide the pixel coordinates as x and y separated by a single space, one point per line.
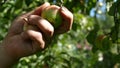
109 0
28 2
106 44
94 49
117 58
93 34
91 38
112 8
18 4
114 32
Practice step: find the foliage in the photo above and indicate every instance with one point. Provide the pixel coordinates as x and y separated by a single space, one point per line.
93 42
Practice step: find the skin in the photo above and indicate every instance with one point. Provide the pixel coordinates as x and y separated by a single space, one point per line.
20 43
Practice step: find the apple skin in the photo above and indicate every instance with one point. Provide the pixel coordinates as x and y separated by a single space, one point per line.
52 14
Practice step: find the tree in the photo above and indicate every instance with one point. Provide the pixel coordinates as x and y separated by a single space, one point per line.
93 42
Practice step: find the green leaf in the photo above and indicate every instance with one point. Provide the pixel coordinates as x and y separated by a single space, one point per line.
112 8
114 32
94 49
28 2
106 44
109 0
93 34
19 4
117 58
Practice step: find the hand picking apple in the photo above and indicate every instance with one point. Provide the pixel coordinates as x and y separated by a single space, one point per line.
41 24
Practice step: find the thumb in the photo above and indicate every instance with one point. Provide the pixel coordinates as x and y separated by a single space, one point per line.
67 21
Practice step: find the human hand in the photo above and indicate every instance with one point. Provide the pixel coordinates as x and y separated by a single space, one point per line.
19 42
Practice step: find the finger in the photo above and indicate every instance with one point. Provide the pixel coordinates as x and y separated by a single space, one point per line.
18 23
67 15
39 10
67 20
43 24
36 37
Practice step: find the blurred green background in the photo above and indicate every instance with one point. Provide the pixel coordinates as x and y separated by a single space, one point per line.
93 41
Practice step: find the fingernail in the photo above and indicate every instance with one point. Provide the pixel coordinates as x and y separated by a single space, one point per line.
26 20
25 24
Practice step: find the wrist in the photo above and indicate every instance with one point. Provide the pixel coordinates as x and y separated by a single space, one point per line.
6 60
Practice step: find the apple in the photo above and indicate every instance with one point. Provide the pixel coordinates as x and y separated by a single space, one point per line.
52 14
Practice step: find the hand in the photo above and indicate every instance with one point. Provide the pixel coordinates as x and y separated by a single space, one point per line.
19 43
